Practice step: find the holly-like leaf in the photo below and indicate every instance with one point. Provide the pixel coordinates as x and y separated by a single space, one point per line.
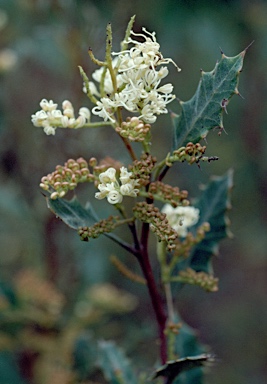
71 212
204 111
114 364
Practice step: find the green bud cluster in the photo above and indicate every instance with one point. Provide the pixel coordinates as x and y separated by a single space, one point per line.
66 177
192 153
148 213
204 280
134 129
168 194
142 168
99 228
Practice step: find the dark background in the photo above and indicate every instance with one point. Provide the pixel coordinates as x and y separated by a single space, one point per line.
50 39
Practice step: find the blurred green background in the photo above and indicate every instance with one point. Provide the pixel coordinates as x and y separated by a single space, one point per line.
41 44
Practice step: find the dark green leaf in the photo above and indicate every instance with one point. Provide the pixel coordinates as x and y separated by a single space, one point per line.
204 110
173 368
114 364
187 368
72 212
213 205
187 344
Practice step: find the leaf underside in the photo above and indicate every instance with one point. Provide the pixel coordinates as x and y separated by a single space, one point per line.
71 212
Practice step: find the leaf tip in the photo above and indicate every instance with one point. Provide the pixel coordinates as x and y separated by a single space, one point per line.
245 50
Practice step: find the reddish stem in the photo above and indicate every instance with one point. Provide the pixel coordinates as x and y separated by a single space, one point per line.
155 296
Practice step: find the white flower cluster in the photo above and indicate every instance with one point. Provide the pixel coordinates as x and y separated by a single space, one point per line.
181 218
114 191
49 117
138 81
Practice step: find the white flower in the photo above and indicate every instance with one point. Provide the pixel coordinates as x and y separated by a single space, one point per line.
48 105
38 118
110 191
85 112
129 190
114 197
104 109
50 118
167 88
49 130
181 218
125 175
138 81
108 176
110 188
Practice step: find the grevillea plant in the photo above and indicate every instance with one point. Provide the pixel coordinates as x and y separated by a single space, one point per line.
129 93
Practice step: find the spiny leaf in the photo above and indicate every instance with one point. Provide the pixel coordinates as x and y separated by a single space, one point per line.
204 111
72 212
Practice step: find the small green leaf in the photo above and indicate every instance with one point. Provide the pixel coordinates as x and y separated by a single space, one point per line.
114 364
204 110
72 212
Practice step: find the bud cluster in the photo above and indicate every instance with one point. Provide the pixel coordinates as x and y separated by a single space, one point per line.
192 153
148 213
184 246
134 129
66 177
99 228
166 193
142 168
204 280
